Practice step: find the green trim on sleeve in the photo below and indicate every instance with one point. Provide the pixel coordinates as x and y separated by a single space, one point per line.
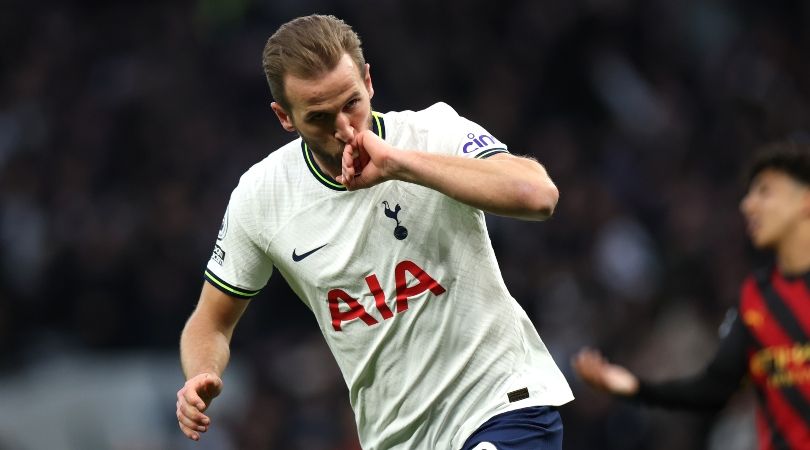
228 288
490 152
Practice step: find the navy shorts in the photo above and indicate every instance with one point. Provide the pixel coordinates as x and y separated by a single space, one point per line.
533 428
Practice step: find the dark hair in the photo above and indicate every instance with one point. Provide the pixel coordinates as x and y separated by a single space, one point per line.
307 47
789 157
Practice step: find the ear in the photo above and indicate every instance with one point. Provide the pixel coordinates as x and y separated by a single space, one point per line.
367 81
283 117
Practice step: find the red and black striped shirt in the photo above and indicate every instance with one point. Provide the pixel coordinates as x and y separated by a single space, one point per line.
769 341
775 311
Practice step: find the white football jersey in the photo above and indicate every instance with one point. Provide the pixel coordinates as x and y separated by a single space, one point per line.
403 282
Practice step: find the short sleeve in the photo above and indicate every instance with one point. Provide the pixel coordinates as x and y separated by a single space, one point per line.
239 265
456 135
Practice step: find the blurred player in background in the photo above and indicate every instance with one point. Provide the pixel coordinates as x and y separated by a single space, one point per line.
376 222
769 338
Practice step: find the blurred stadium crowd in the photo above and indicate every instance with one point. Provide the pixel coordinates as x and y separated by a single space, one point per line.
125 125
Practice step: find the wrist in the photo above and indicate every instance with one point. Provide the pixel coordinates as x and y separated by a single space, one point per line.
399 165
197 371
393 166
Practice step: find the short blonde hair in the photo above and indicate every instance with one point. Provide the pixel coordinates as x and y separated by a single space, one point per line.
307 47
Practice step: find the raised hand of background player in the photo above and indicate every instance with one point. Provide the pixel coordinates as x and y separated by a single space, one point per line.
193 399
364 162
595 370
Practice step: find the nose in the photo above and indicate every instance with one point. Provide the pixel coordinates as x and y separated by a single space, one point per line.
344 131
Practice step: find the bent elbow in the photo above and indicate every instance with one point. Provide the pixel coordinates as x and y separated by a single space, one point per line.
542 200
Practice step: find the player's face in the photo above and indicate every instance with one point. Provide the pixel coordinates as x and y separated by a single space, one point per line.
328 111
774 207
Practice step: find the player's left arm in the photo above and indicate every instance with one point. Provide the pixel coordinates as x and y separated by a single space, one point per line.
710 388
502 184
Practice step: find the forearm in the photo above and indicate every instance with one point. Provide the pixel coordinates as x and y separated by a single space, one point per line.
203 349
503 184
710 388
699 392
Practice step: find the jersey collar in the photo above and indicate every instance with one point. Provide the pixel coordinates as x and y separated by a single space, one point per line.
377 126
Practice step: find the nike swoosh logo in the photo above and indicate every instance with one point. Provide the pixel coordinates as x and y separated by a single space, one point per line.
297 258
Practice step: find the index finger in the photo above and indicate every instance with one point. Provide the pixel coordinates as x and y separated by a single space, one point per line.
347 163
191 397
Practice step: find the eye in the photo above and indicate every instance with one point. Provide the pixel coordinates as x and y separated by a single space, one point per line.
352 103
316 117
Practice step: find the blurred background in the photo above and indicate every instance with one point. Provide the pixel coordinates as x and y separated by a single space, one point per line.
125 125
